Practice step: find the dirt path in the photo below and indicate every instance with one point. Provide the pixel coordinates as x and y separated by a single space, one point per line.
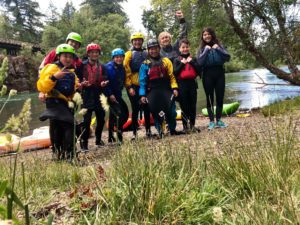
238 128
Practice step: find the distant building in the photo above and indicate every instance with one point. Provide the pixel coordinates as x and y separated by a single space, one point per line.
12 47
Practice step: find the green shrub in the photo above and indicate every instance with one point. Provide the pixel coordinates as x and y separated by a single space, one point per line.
282 107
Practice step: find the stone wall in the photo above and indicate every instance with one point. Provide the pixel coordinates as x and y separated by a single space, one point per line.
22 73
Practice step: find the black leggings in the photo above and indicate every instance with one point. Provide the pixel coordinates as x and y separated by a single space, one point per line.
136 108
214 82
187 100
100 115
122 110
62 138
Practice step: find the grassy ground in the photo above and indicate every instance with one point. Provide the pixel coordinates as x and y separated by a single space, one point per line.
247 173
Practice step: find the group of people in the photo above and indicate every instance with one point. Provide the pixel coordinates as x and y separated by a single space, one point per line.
154 78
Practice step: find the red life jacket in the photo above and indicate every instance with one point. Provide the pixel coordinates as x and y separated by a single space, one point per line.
188 72
157 70
93 74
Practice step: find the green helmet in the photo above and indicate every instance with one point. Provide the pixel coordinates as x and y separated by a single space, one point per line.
65 48
74 36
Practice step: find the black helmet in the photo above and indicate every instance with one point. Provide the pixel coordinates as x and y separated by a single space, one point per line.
152 43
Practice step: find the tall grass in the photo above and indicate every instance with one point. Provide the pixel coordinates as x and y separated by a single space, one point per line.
283 107
263 177
250 176
253 182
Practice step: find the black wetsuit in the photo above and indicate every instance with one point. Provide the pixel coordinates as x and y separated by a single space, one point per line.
187 87
212 61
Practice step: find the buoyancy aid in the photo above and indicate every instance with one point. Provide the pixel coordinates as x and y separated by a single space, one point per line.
93 75
157 70
66 84
137 58
169 52
188 72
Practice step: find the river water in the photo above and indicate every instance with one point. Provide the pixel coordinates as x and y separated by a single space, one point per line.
241 86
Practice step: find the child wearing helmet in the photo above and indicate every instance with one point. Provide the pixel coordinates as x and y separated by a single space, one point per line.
132 63
58 82
167 49
93 80
118 113
73 39
158 86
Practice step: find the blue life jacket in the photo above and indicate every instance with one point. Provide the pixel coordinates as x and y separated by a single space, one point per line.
137 58
214 58
116 77
65 85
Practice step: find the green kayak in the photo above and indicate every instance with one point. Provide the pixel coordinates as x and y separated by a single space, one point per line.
227 109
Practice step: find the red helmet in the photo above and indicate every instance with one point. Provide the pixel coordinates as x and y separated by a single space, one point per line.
93 46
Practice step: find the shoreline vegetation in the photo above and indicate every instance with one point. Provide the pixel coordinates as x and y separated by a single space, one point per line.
247 173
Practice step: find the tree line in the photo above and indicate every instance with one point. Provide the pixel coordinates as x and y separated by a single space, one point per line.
256 32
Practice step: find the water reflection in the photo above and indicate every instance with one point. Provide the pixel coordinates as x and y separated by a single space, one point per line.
244 88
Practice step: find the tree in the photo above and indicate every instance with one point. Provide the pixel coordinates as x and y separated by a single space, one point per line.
68 12
100 30
52 37
198 14
104 7
153 22
6 29
52 15
258 23
26 19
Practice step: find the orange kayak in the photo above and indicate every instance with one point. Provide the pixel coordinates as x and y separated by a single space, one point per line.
40 138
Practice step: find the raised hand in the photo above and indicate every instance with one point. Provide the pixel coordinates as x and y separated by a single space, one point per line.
104 83
179 14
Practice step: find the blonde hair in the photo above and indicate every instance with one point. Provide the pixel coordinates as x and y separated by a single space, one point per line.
164 33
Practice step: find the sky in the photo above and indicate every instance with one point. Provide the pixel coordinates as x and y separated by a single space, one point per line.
133 8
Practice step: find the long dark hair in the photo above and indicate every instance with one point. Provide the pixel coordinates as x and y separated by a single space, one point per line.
214 39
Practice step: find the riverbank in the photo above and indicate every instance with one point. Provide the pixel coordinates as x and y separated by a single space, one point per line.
247 173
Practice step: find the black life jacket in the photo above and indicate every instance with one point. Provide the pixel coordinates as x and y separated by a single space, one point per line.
137 59
169 52
66 84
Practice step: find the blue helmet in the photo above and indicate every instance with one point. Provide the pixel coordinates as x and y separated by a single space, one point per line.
117 51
